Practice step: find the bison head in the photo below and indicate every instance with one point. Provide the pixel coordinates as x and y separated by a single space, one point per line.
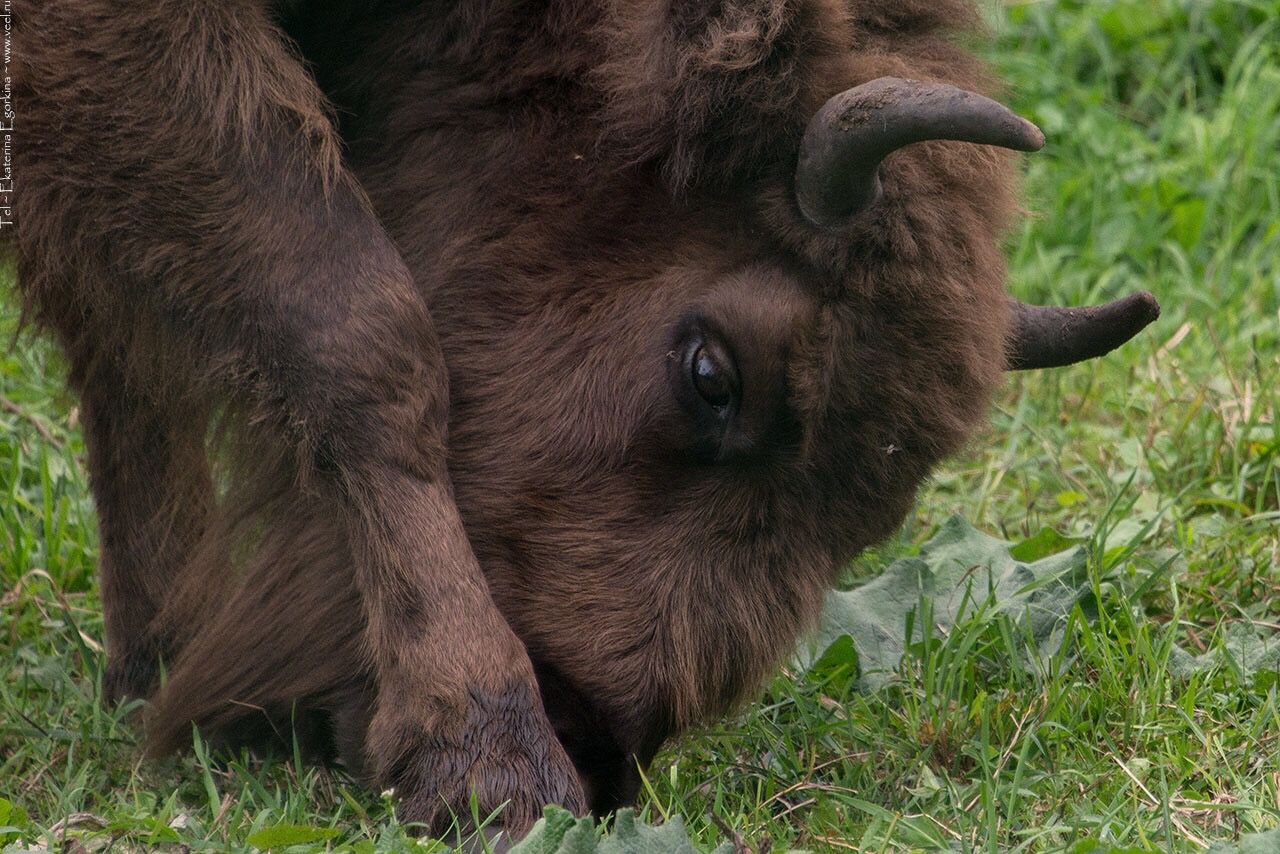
680 406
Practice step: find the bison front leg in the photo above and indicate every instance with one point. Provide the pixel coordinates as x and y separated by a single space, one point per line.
153 493
183 195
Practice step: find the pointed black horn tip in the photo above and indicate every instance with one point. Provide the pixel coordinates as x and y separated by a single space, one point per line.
1132 313
1048 337
1030 138
1148 307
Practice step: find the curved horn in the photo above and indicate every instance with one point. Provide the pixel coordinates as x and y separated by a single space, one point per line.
845 141
1046 337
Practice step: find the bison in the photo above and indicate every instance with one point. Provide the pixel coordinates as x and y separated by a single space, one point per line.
490 389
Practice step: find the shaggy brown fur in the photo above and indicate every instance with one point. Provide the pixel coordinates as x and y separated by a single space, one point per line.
574 188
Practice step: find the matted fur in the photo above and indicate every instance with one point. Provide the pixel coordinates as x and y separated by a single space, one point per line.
566 182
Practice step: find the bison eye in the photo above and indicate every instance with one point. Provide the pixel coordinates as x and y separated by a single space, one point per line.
707 386
713 375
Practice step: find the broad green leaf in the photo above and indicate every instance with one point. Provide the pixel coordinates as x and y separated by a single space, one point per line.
549 834
1047 542
284 835
1070 498
959 571
1255 656
13 819
840 660
1250 843
558 832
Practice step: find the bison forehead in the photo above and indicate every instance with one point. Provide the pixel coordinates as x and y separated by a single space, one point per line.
886 393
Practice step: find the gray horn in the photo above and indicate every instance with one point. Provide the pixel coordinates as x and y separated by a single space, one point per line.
837 176
1045 337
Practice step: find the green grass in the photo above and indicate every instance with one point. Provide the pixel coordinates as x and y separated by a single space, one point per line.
1163 172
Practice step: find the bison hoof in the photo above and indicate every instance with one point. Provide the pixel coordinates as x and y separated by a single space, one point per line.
499 756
